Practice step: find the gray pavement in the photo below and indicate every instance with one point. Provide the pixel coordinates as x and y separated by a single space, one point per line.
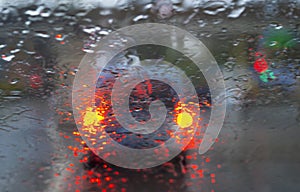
257 151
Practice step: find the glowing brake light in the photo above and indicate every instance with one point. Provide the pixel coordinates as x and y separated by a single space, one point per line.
184 119
260 65
92 118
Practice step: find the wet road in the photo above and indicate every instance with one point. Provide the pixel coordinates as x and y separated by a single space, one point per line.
257 151
26 148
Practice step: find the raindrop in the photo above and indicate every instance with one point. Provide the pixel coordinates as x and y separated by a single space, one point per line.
27 23
29 52
50 71
59 14
140 17
2 46
81 13
224 30
191 17
214 7
60 37
279 26
229 65
105 12
46 12
88 50
15 51
8 58
276 25
236 12
201 23
235 43
42 35
273 43
138 108
61 10
34 12
14 81
25 32
35 18
16 32
91 30
20 44
15 93
217 21
147 7
110 21
103 32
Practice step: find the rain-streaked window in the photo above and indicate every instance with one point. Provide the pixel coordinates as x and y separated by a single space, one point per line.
45 44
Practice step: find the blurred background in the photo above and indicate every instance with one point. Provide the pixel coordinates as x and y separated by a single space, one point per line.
257 47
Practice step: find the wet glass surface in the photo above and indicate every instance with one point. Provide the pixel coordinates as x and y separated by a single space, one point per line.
257 47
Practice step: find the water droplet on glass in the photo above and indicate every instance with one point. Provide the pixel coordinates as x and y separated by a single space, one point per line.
140 17
201 23
50 71
34 19
60 37
27 23
147 7
279 27
2 46
15 93
276 25
217 21
235 43
8 58
137 109
105 12
25 32
14 81
273 43
46 12
214 7
15 51
191 17
91 30
34 12
224 30
229 66
103 32
110 21
88 50
42 35
236 12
